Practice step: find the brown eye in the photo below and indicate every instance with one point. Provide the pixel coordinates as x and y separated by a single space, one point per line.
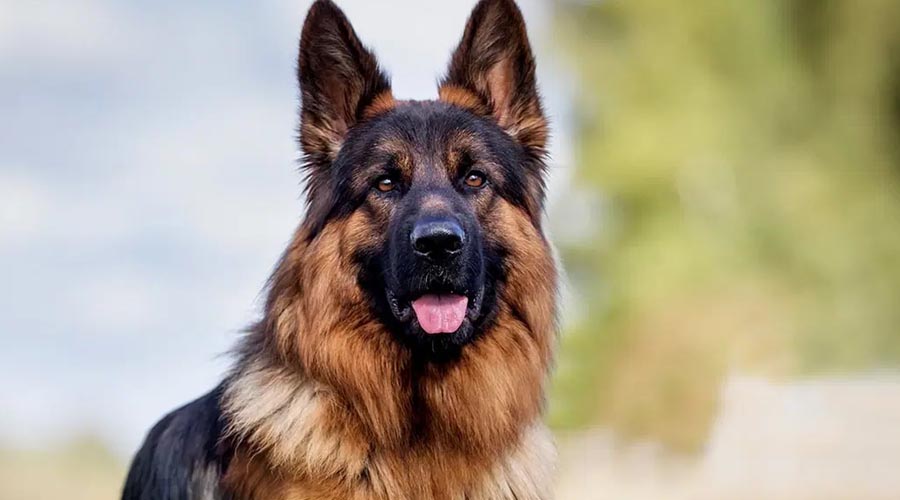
476 179
385 184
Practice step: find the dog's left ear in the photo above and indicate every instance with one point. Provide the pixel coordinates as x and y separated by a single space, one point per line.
492 73
340 82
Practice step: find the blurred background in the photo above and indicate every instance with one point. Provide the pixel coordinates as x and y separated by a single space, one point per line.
725 198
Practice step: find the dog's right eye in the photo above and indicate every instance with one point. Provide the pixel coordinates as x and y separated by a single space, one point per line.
385 184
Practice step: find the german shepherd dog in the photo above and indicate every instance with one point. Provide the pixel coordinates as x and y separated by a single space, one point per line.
409 327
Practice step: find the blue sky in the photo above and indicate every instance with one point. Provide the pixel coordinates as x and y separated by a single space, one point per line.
148 184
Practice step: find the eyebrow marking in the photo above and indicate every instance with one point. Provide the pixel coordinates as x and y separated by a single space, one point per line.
393 152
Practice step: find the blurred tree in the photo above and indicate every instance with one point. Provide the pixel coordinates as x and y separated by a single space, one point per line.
748 159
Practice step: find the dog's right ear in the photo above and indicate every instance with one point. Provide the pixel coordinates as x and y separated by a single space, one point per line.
340 83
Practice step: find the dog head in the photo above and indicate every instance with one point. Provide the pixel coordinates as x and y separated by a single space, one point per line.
441 195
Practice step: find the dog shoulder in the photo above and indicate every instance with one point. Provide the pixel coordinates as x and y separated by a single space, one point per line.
182 457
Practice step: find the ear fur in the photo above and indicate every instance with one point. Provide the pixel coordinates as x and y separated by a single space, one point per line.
492 73
341 83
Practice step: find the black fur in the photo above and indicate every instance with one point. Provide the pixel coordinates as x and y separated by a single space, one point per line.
182 457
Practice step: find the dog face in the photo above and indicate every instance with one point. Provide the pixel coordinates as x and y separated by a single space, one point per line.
439 194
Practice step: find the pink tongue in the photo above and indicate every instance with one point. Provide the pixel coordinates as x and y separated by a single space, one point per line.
440 313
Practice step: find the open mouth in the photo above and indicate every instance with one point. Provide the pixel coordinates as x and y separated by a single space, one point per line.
438 313
443 313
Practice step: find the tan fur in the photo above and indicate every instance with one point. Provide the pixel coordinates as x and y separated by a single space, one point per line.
382 103
322 407
523 121
523 472
462 97
326 136
321 136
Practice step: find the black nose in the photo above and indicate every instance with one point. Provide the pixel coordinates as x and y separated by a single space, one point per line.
437 239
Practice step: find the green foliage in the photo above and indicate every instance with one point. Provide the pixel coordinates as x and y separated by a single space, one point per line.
747 157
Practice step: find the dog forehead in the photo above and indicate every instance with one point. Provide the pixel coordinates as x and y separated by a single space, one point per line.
428 125
426 140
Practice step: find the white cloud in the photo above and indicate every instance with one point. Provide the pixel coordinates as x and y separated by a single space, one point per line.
72 33
23 208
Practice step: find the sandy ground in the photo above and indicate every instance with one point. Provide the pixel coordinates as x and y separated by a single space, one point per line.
820 439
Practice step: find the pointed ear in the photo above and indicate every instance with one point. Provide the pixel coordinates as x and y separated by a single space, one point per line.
492 73
340 82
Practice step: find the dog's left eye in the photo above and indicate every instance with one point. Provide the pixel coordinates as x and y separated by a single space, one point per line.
385 183
475 179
